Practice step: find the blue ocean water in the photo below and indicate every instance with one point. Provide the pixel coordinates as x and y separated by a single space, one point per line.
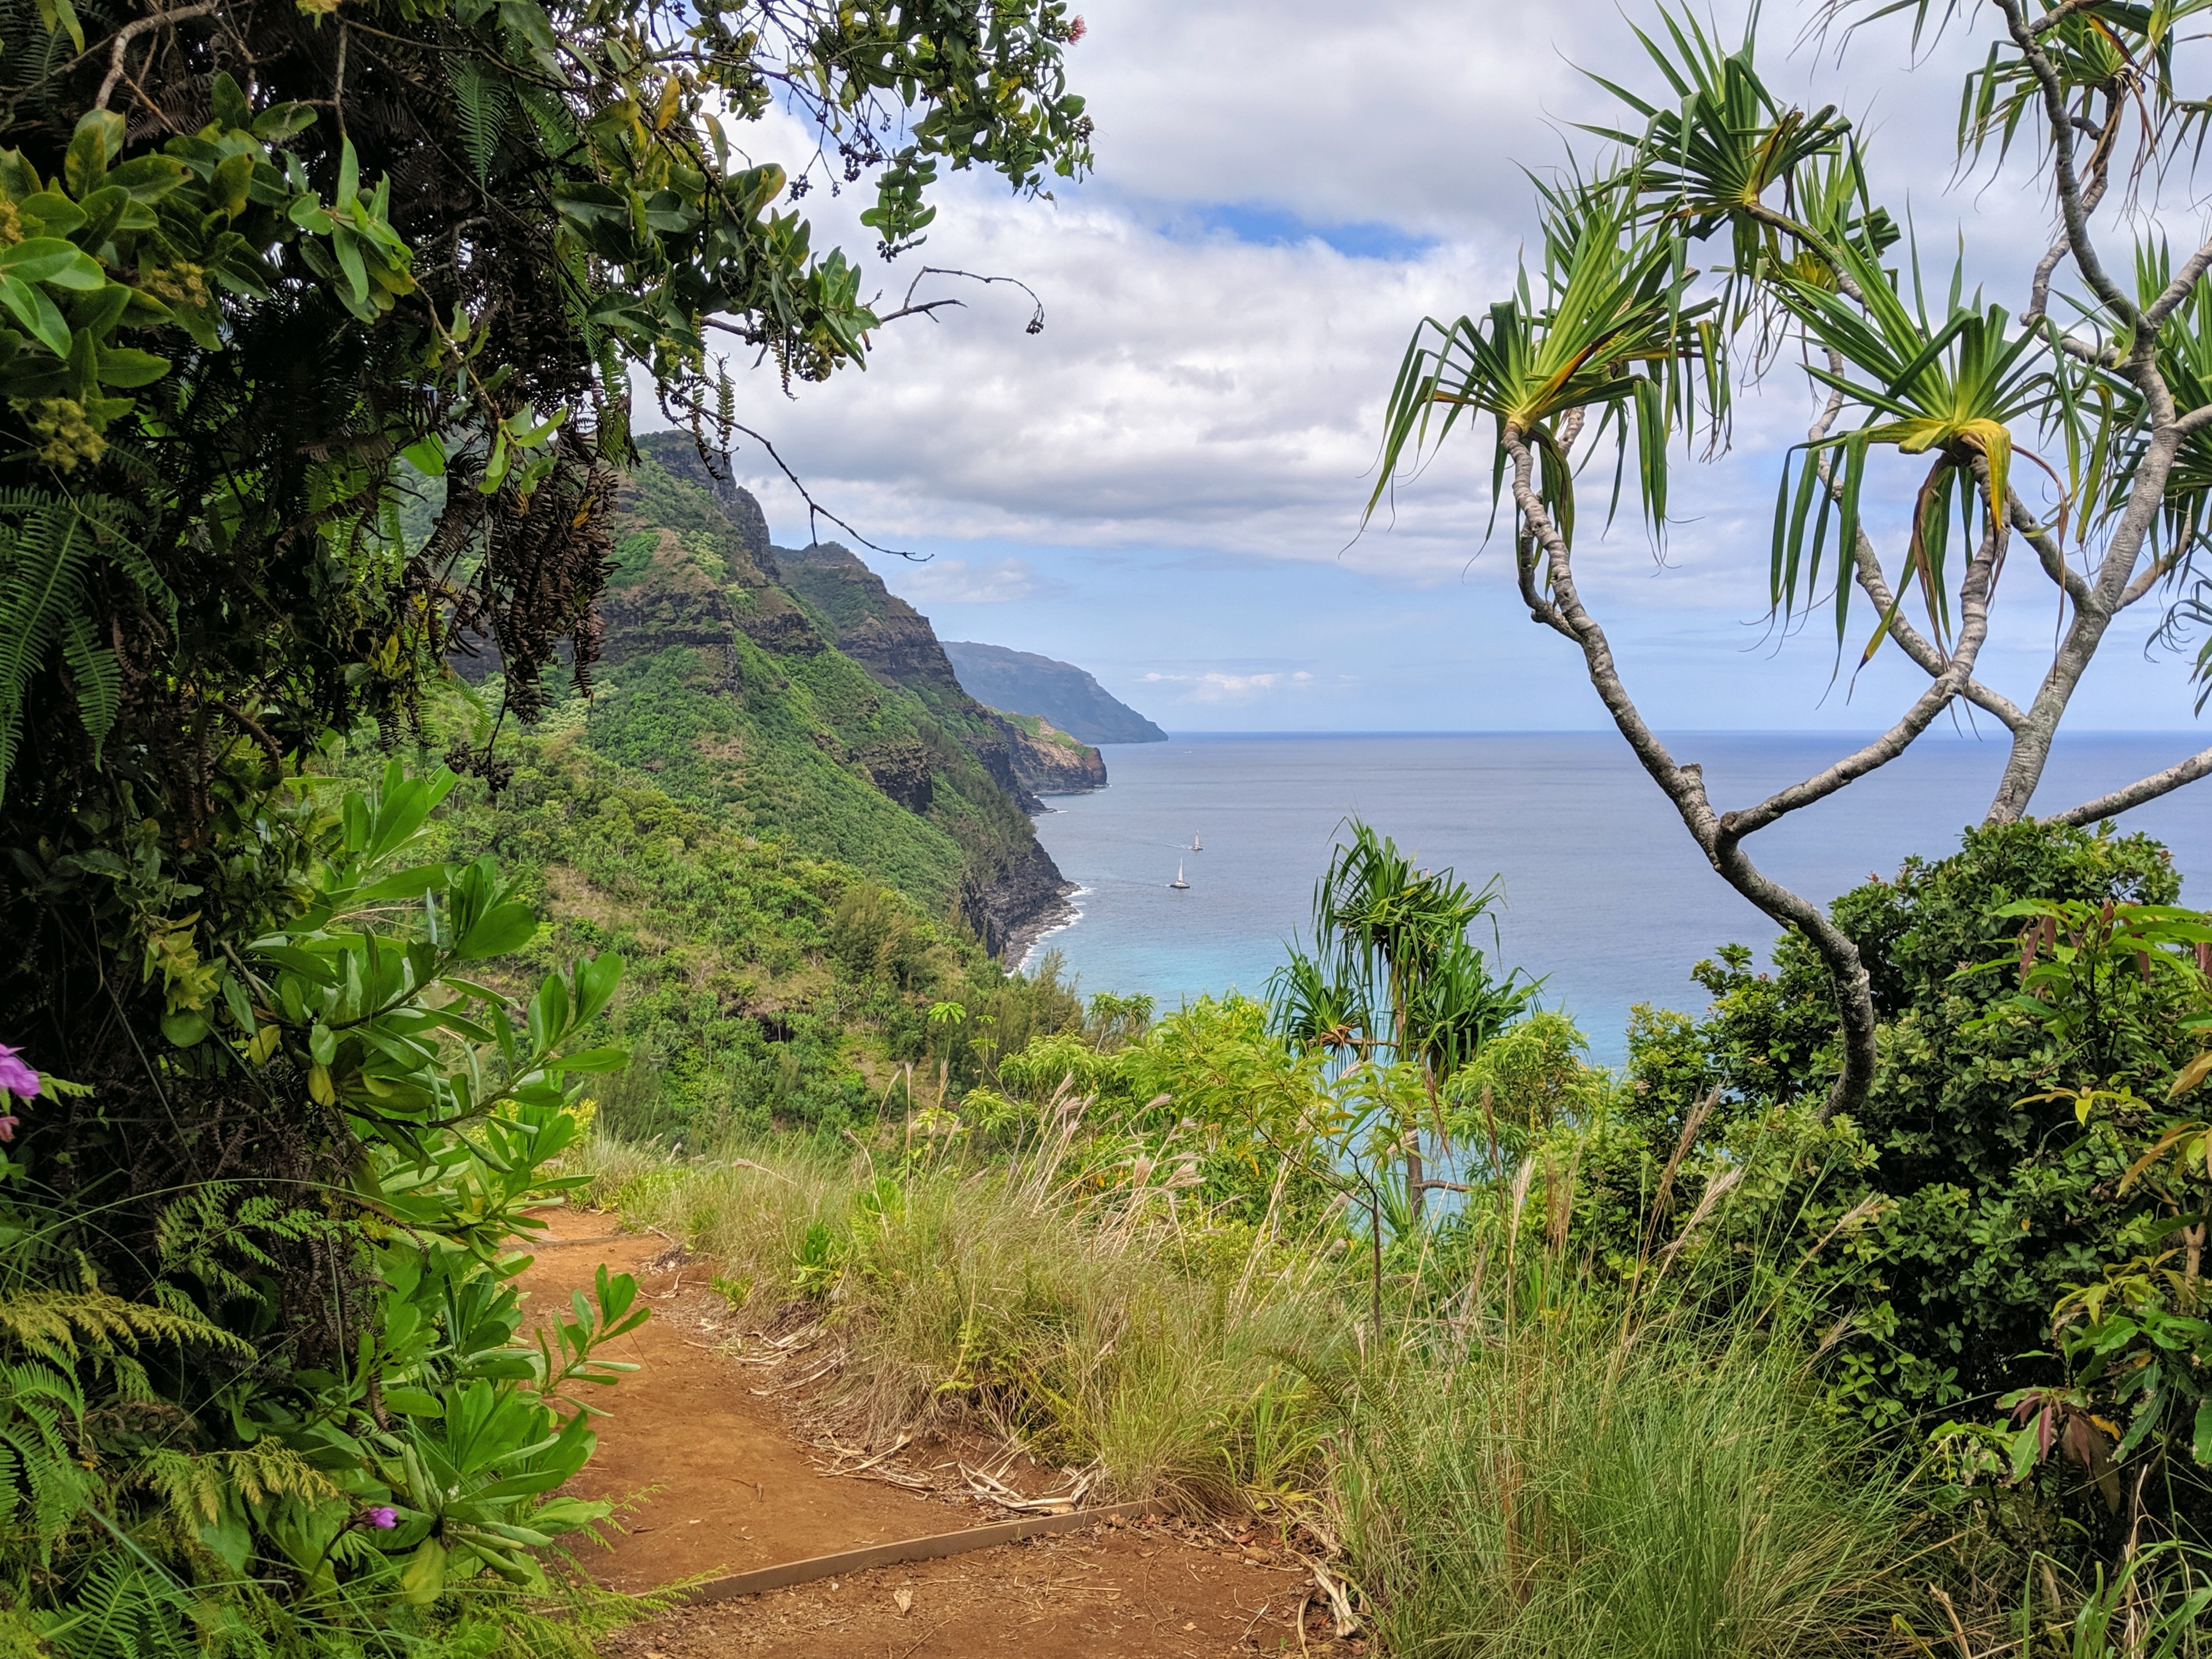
1604 893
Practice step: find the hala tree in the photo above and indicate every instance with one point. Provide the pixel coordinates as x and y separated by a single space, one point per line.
1392 977
1618 341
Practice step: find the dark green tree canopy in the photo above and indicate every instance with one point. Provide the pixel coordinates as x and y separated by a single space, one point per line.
254 252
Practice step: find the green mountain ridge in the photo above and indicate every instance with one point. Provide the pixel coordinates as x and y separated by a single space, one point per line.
1022 682
749 682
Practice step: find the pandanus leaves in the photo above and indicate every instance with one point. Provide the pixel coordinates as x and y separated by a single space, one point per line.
1954 388
1730 141
1392 967
2185 519
1612 336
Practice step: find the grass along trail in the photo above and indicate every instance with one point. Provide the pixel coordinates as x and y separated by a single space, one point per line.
709 1479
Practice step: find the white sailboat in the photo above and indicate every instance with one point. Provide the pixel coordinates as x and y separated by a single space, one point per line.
1195 844
1179 882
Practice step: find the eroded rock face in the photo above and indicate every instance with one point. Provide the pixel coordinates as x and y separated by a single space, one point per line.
901 770
1048 761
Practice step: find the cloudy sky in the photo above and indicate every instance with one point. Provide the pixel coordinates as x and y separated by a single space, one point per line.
1165 484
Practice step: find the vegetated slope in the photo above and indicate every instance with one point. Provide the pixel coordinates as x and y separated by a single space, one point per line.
1023 683
895 642
765 988
1049 762
732 691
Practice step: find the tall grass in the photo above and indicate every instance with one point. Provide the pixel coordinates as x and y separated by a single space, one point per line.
1568 1491
1560 1484
1101 1323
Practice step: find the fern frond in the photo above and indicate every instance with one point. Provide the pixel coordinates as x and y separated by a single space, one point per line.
99 679
66 1326
40 1480
124 1611
483 103
47 543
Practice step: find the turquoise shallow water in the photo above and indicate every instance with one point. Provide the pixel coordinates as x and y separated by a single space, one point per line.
1604 893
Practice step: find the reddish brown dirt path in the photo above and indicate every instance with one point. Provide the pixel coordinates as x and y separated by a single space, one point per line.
716 1484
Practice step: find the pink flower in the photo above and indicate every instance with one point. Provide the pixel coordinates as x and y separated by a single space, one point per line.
1077 29
383 1517
8 1127
16 1077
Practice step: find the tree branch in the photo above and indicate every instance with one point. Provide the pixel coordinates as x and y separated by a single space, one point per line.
131 31
2048 552
1974 627
2149 788
1684 786
2069 185
2175 292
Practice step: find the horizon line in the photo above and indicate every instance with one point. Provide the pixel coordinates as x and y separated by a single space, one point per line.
1992 738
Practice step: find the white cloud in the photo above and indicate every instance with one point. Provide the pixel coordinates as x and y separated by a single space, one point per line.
1218 686
957 581
1214 399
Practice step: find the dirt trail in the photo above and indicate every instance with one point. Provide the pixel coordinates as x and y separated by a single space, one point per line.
717 1485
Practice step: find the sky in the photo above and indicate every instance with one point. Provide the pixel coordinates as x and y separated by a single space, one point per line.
1165 484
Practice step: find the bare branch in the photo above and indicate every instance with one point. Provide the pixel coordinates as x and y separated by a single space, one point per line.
1684 784
814 510
2150 788
131 31
2192 270
908 308
2038 299
2070 202
1973 628
2048 552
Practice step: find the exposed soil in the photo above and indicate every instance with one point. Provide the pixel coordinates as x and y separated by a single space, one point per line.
708 1478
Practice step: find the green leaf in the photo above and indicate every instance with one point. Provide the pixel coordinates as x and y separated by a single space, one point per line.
423 1579
427 455
504 928
51 259
126 365
97 141
37 313
185 1028
349 176
50 213
406 885
280 121
227 103
593 1059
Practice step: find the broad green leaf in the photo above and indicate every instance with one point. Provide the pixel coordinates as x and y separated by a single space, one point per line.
427 455
37 313
127 367
595 1059
423 1578
97 141
504 928
51 259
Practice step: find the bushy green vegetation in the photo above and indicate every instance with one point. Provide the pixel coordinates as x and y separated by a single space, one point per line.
190 1462
768 989
1653 1379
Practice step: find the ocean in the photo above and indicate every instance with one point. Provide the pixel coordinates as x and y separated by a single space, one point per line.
1603 894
